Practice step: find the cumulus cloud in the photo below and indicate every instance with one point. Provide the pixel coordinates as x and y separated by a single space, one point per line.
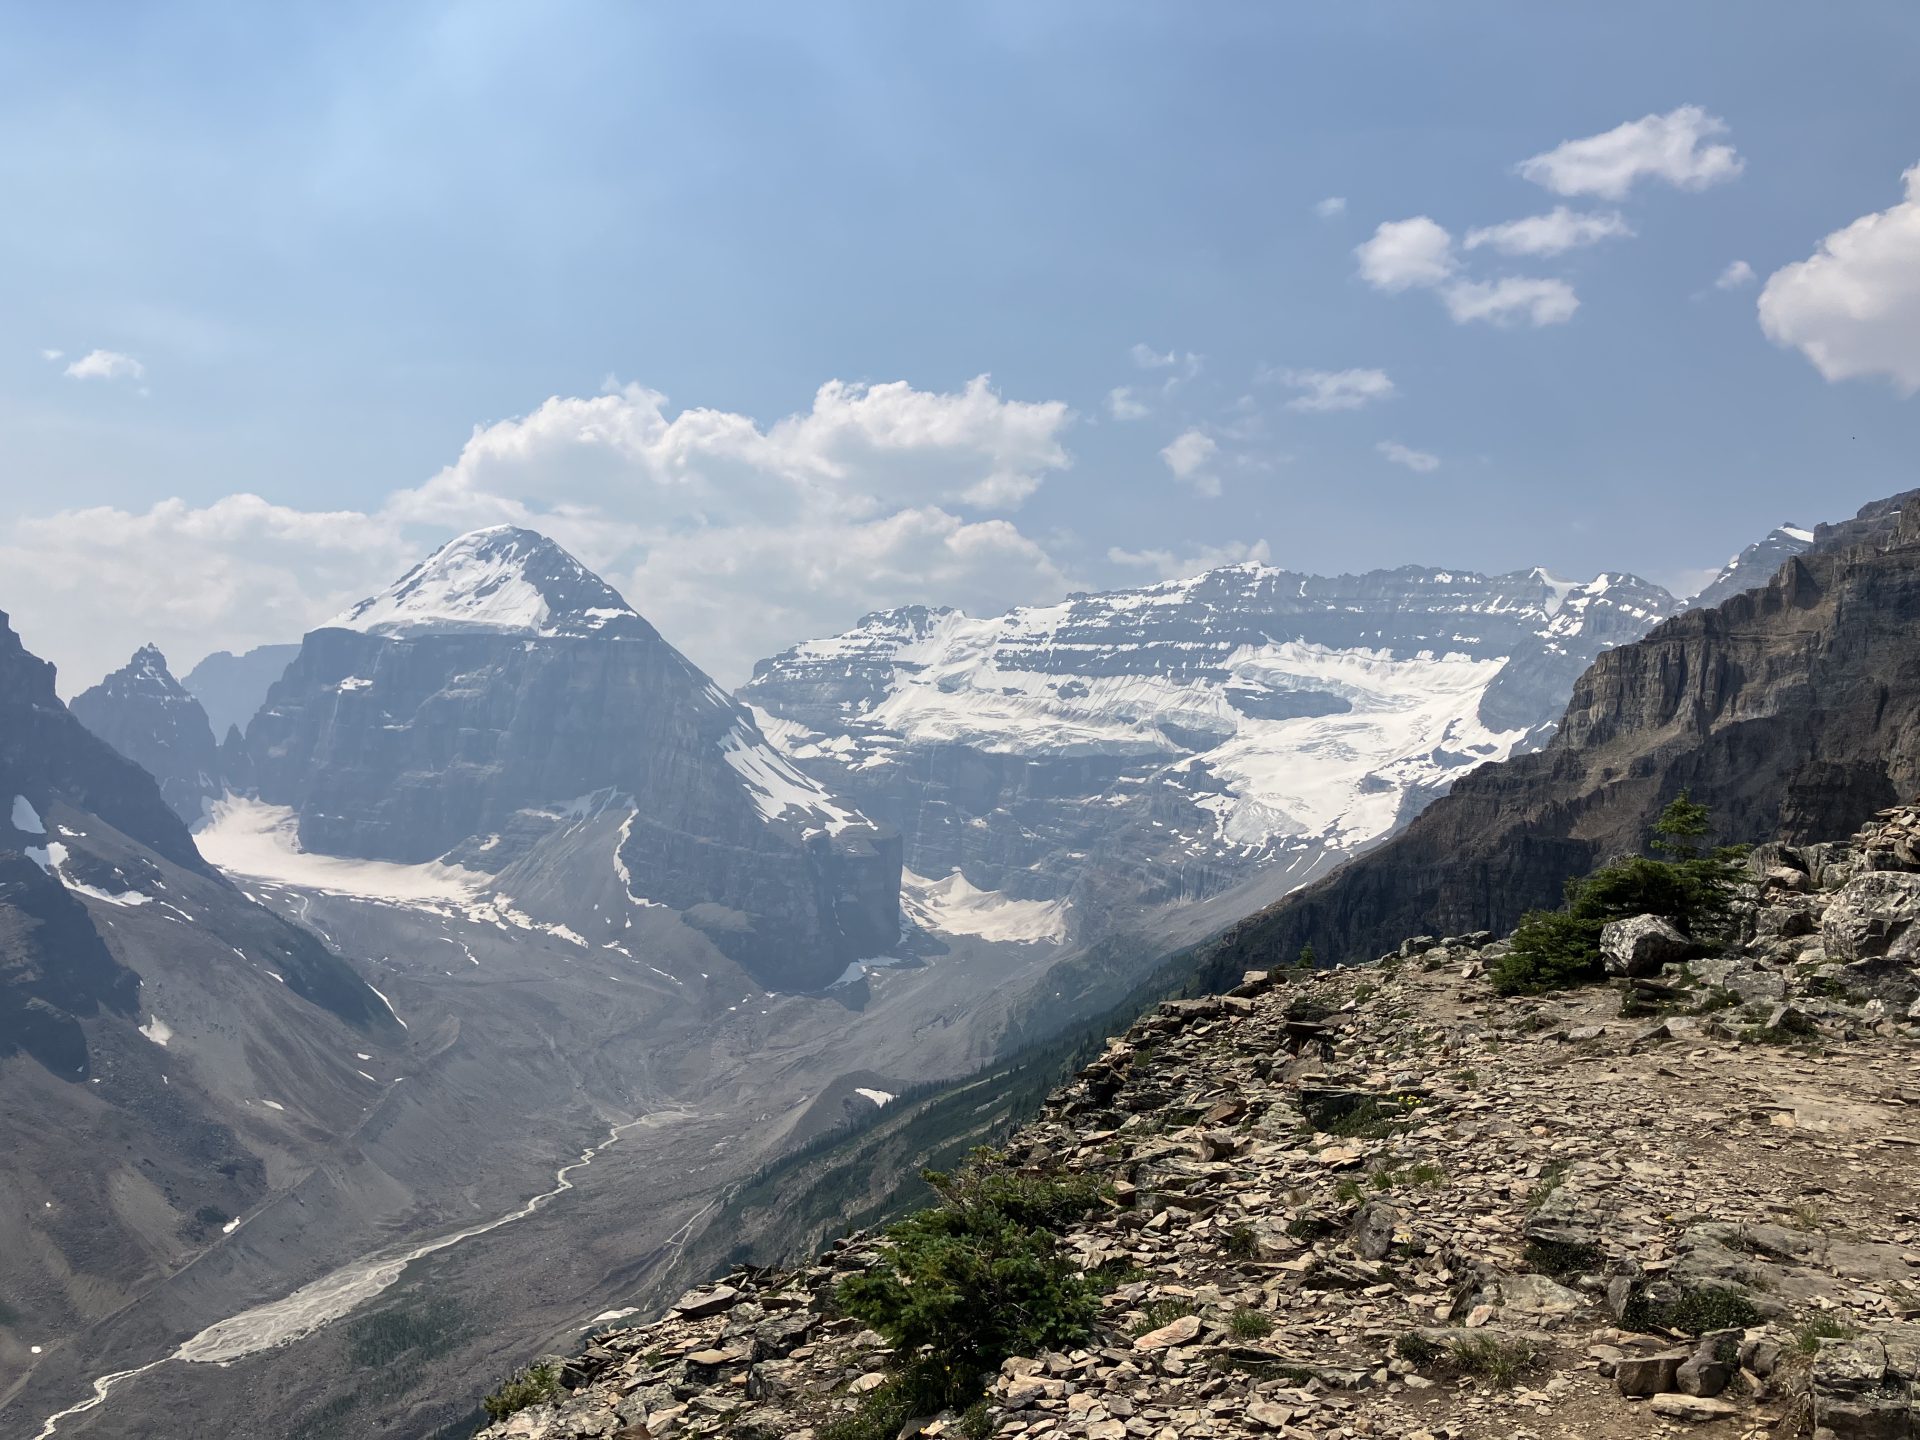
730 596
1336 389
1672 147
1554 233
91 584
874 495
1418 461
858 450
1510 300
1407 253
1330 207
1853 306
1122 404
1190 457
104 365
1736 275
1176 565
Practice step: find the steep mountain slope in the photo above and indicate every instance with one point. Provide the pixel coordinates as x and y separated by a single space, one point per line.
1790 710
1144 746
230 687
149 717
170 1051
1755 565
476 713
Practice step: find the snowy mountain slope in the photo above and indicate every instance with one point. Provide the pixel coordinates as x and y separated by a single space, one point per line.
461 717
1755 565
1156 743
502 579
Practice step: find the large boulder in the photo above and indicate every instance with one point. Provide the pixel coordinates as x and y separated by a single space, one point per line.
1873 915
1863 1388
1641 945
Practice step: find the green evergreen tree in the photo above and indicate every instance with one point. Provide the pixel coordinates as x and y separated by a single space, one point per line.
1688 884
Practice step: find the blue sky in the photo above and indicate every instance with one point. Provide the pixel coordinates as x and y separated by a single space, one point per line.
316 247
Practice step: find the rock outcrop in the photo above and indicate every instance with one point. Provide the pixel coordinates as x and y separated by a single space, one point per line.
1382 1201
1790 710
149 717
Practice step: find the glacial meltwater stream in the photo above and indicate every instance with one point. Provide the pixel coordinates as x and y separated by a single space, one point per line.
281 1322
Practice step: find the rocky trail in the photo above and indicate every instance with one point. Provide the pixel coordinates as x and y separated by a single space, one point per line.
1384 1201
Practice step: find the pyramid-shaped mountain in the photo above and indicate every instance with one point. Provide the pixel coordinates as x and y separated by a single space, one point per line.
148 716
499 696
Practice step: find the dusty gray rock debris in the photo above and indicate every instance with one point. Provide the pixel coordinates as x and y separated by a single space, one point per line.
1456 1217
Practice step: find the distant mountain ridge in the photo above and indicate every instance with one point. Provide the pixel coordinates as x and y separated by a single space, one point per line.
230 687
1159 744
1755 565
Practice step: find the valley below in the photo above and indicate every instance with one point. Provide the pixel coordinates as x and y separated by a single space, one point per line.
653 1080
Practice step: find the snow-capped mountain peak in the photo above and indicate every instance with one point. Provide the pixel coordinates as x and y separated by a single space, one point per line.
1755 564
502 579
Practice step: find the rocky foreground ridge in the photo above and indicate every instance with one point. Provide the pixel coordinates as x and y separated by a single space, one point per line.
1383 1201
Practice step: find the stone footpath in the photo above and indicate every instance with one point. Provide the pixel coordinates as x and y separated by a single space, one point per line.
1384 1202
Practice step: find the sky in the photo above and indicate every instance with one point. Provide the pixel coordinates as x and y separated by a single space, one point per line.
779 314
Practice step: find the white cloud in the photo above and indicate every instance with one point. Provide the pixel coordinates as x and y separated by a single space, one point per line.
1171 565
89 585
105 365
1185 364
858 450
1189 456
1336 389
53 354
1853 307
1510 299
729 596
1736 275
1330 207
1122 404
735 538
1554 233
1671 147
1418 461
1406 253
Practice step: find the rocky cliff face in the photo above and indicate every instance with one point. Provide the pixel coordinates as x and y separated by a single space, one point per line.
1155 745
148 1012
1789 709
1386 1202
149 717
500 693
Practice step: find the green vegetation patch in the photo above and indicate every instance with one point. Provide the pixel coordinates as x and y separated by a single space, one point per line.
1684 882
977 1278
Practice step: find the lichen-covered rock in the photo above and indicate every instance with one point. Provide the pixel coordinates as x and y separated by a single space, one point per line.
1871 916
1641 945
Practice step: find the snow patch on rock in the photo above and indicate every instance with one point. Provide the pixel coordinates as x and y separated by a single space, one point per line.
953 906
26 819
260 841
